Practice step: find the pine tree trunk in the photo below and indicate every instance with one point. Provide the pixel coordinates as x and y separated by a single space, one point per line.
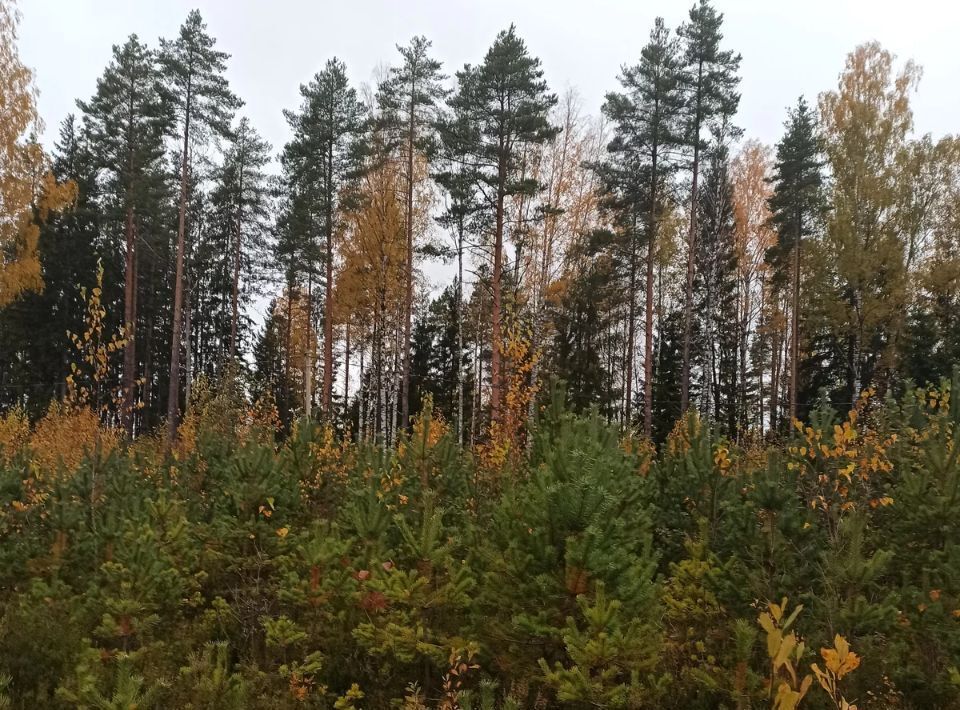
477 376
631 329
346 373
775 380
495 313
795 327
328 310
187 351
173 392
459 362
286 359
308 353
408 309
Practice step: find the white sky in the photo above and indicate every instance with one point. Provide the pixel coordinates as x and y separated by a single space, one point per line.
789 47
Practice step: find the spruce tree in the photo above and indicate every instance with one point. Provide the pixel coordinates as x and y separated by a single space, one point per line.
245 191
708 81
585 320
126 121
505 104
796 208
716 342
195 85
410 100
33 328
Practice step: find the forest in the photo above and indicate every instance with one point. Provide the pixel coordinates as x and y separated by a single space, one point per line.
464 398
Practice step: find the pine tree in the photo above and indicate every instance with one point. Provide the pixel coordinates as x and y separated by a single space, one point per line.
195 85
459 217
410 101
319 161
646 134
797 206
505 104
708 81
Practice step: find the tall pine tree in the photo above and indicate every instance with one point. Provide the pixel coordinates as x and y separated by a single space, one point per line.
709 82
505 103
410 100
321 158
647 135
196 87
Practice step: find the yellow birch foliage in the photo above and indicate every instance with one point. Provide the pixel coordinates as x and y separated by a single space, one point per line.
372 280
785 652
28 192
507 436
14 434
785 686
89 382
866 123
838 662
330 460
64 437
74 430
846 467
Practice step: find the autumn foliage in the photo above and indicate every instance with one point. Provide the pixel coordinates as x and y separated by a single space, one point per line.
595 571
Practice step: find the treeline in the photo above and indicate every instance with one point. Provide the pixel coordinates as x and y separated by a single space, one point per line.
652 257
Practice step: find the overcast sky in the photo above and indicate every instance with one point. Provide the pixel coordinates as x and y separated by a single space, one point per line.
789 47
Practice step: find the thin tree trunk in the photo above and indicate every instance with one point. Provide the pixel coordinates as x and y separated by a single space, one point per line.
477 376
775 379
691 249
130 287
286 359
130 318
346 373
760 359
795 327
631 329
648 319
362 399
308 353
495 314
408 304
173 392
459 362
187 350
395 408
235 293
328 314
